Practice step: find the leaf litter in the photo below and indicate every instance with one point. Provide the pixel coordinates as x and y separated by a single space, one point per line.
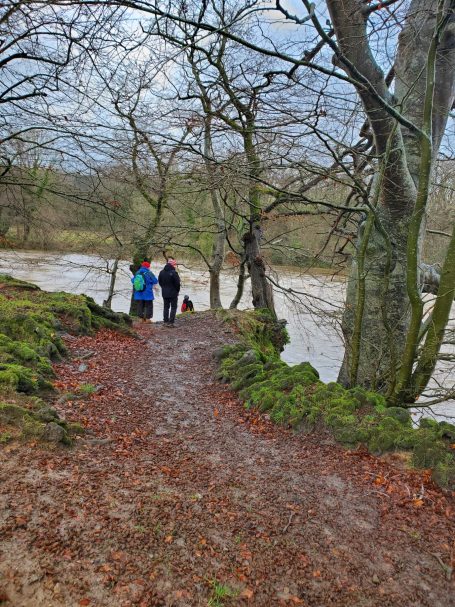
176 491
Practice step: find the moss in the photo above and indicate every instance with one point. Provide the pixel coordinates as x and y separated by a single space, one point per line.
385 436
6 437
76 428
31 326
447 431
296 397
365 398
10 413
401 414
19 378
444 472
258 329
32 428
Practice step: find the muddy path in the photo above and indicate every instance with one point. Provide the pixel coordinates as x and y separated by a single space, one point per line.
179 497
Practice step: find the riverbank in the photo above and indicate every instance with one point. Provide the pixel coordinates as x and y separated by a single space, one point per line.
178 496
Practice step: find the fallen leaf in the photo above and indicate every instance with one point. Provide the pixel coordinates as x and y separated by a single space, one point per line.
246 594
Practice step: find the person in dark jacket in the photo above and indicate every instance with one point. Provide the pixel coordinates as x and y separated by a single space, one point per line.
170 286
143 291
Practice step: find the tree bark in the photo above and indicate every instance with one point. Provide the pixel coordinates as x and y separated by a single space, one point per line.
388 278
240 285
261 289
219 238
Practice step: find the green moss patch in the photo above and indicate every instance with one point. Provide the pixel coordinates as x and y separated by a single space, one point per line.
296 397
32 323
44 424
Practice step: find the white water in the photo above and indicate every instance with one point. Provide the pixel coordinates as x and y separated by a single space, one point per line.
313 325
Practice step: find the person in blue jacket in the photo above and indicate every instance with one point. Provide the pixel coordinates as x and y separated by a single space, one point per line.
143 283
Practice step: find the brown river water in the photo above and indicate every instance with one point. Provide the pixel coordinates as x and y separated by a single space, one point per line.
312 313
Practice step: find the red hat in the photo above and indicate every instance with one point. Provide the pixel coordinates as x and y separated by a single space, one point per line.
145 264
172 262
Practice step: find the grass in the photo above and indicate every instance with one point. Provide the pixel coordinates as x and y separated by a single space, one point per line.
220 592
87 389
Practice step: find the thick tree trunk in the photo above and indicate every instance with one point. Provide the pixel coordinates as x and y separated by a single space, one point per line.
377 311
261 289
378 327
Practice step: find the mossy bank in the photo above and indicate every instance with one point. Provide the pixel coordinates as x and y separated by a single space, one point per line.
32 323
295 396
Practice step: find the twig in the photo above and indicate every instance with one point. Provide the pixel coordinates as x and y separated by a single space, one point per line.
87 355
289 522
446 568
381 493
69 396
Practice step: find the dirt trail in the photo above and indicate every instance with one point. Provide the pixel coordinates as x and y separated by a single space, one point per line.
180 496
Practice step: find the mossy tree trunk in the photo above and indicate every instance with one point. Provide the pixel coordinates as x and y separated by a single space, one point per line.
385 338
261 289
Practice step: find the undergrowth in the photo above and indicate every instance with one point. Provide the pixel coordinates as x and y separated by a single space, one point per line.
295 396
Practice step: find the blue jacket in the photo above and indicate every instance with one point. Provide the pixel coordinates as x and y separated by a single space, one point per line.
150 280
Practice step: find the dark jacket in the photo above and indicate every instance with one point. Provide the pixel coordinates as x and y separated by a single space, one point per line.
169 281
150 280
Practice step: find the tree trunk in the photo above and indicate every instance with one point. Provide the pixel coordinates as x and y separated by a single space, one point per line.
383 286
219 240
107 303
436 329
215 297
377 299
261 289
240 286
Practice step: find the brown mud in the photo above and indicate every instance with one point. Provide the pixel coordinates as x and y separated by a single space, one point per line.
178 496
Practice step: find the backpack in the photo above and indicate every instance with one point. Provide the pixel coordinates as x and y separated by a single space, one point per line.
139 283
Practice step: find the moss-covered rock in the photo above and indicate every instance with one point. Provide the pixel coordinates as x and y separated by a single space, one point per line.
32 424
401 414
32 322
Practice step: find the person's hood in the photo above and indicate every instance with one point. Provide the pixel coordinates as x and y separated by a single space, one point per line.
169 268
143 270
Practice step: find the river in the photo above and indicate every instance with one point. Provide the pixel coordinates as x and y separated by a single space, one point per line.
312 316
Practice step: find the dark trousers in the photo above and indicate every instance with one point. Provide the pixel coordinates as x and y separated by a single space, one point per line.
145 308
169 302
